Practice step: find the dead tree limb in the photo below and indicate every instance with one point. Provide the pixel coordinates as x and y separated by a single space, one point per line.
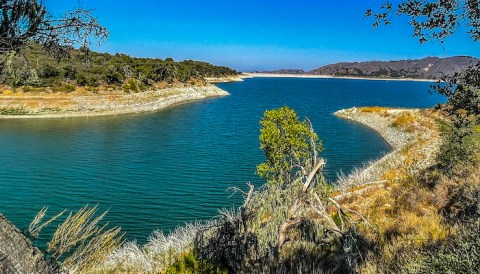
282 234
312 174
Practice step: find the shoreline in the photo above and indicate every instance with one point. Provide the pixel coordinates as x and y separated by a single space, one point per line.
421 138
230 79
314 76
112 104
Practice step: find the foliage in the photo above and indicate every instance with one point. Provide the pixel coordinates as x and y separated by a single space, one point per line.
287 143
463 92
69 72
49 71
13 111
81 80
26 21
432 19
94 69
460 148
461 254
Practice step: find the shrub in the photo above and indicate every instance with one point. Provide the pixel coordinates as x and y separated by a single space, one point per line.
13 111
69 72
81 80
405 120
460 148
460 255
49 71
92 82
463 200
287 143
112 76
69 88
132 85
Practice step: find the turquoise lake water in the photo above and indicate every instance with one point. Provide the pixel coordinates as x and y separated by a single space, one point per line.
160 170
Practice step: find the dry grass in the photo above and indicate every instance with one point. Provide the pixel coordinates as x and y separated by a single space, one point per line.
36 226
101 100
159 254
406 121
404 213
80 243
373 109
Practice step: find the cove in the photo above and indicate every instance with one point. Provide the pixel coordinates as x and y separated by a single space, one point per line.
160 170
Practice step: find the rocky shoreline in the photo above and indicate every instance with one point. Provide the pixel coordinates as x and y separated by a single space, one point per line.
80 105
419 135
17 253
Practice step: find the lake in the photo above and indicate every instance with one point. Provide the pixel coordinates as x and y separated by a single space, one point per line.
160 170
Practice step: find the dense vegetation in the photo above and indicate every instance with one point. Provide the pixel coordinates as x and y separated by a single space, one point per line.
33 67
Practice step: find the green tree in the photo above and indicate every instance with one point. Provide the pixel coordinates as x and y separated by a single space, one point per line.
432 19
26 21
460 150
81 80
69 72
463 92
49 71
290 146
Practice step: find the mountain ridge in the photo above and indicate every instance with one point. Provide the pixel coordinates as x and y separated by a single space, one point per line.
432 68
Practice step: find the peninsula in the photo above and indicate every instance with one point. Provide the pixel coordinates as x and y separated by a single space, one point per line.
95 84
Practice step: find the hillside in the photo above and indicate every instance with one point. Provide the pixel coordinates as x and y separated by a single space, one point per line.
33 67
33 84
426 68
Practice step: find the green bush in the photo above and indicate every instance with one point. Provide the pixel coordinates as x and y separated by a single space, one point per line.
13 111
112 76
459 255
81 80
49 71
69 88
93 82
69 72
287 143
133 85
460 149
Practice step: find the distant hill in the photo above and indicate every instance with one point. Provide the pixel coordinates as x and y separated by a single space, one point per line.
283 71
426 68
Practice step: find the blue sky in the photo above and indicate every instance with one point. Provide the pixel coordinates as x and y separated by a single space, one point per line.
259 35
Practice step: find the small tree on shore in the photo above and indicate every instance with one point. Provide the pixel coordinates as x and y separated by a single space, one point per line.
289 145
